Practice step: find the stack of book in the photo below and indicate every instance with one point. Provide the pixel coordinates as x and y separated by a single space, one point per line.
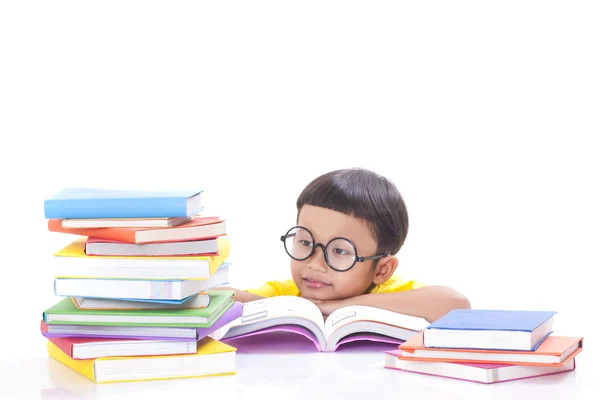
488 346
138 285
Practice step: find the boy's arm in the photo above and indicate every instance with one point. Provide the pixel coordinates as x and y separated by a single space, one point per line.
241 295
430 302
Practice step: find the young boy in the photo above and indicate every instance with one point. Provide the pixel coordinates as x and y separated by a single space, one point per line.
350 224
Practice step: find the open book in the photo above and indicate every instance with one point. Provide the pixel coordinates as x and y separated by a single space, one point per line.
299 315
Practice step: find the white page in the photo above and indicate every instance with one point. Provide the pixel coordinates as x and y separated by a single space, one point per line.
277 307
347 315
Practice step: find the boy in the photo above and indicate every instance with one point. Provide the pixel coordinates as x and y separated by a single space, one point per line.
350 224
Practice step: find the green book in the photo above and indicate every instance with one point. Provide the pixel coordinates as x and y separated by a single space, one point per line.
65 313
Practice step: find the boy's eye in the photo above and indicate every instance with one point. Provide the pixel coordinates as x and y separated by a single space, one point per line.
306 243
340 252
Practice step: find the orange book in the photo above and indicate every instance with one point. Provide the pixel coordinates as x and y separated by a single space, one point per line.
554 351
196 229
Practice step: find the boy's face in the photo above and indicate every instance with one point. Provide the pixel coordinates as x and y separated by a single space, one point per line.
313 277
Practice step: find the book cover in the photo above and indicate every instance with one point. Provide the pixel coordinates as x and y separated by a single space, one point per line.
106 203
492 320
234 312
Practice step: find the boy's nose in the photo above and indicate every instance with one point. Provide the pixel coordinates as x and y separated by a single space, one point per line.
317 261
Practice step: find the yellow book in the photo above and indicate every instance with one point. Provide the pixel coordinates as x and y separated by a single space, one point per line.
213 358
72 262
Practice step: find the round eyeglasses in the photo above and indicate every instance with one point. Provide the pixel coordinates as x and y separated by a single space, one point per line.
340 253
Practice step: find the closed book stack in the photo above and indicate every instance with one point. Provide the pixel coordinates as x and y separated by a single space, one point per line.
488 346
138 286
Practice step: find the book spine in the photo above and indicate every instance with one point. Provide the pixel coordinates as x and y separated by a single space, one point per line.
84 367
123 235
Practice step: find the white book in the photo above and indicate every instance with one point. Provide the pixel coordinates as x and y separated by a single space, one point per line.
132 332
72 262
296 314
99 247
86 348
200 300
137 288
72 223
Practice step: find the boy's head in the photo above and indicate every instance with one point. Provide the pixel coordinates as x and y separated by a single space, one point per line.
354 204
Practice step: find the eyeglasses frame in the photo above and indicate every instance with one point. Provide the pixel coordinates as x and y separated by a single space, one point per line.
357 258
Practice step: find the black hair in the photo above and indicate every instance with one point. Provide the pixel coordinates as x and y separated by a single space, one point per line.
362 194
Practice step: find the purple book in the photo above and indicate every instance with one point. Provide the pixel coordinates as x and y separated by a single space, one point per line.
234 312
141 332
271 335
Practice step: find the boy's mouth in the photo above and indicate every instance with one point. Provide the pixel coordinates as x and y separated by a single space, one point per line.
315 284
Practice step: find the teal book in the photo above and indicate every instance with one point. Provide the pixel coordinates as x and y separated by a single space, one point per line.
66 313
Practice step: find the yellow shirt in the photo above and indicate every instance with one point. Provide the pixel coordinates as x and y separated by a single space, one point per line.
288 287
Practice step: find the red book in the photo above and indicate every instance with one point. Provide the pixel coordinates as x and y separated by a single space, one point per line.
196 229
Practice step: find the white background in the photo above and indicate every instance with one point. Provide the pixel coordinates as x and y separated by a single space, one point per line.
486 116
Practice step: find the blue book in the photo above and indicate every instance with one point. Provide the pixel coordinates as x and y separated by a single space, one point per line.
104 203
490 329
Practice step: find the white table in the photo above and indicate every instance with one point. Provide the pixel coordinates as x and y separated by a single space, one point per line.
294 370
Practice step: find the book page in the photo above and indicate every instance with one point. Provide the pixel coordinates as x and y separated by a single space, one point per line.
277 307
347 315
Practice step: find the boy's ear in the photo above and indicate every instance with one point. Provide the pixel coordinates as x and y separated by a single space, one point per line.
385 269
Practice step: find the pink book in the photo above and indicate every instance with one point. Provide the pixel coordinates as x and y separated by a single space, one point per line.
473 372
79 348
